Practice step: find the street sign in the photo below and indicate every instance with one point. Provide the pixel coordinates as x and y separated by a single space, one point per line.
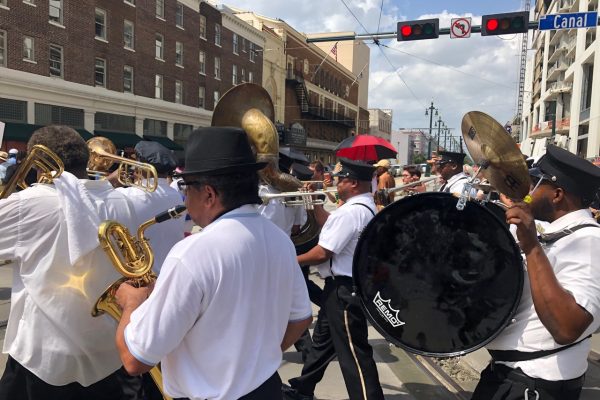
568 21
460 28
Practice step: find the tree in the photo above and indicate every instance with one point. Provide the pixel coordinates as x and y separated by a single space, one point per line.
419 159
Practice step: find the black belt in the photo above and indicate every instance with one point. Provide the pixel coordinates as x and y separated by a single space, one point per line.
502 372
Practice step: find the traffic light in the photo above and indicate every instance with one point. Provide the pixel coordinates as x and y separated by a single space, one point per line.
418 30
502 24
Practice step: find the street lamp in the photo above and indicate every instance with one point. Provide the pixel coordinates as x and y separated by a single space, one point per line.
439 124
429 111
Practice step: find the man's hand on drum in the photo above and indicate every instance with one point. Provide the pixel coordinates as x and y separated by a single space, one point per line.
520 215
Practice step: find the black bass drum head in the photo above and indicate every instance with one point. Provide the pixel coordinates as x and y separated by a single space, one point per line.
437 281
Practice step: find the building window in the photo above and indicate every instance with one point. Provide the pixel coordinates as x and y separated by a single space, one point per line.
56 11
56 60
181 133
216 97
160 8
217 34
179 53
13 110
158 86
129 35
178 92
235 43
100 24
28 48
243 77
128 79
100 74
252 55
201 97
250 77
244 45
47 114
114 122
159 48
2 48
155 127
130 2
217 68
179 15
234 78
203 27
202 61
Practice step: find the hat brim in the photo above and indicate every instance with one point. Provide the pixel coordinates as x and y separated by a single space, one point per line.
230 169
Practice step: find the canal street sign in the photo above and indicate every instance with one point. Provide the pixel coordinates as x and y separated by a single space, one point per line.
568 21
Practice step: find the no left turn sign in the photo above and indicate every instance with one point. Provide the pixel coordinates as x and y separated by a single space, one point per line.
460 28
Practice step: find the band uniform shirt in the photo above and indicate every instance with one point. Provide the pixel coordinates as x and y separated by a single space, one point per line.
51 331
341 231
577 269
147 205
455 184
220 308
285 217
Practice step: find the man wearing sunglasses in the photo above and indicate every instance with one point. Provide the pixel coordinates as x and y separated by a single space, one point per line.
542 354
450 167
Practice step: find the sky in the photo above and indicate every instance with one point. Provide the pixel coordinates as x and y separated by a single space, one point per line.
458 75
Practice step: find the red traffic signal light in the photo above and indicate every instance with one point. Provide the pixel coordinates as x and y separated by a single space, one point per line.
502 24
419 30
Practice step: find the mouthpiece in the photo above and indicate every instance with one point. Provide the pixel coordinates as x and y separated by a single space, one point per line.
171 213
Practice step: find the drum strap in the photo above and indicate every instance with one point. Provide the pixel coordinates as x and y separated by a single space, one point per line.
354 204
553 237
515 355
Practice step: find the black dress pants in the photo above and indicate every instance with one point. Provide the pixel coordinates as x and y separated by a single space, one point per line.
341 330
268 390
18 383
499 382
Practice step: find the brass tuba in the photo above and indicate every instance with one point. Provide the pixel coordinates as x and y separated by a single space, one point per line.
250 107
103 154
48 164
132 257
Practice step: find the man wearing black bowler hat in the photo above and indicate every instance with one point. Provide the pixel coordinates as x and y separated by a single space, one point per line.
543 353
229 299
341 327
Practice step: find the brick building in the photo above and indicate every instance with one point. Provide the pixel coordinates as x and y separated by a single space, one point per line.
124 69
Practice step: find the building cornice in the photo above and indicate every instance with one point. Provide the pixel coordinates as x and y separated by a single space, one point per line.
242 28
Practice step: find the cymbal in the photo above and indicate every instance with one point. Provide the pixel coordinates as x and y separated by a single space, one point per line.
496 152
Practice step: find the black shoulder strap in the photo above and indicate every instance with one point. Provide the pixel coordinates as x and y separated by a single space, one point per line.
553 237
515 355
365 206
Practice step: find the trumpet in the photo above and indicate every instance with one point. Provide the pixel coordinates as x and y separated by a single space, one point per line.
408 185
48 164
130 172
292 198
132 257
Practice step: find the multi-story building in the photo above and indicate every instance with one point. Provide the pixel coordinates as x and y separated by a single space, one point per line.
565 105
321 95
123 69
380 123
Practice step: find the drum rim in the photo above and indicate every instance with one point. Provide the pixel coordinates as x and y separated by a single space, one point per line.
357 290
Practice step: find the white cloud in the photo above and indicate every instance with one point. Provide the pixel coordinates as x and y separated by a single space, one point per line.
479 73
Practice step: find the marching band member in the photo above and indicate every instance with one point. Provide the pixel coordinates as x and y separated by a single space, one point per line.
543 353
449 166
341 327
230 298
162 236
56 349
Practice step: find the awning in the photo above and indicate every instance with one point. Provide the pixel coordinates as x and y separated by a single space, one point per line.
121 140
19 132
165 141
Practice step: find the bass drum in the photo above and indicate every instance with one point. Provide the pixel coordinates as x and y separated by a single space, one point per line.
437 281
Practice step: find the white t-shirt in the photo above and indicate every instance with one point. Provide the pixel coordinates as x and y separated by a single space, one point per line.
220 308
342 229
51 331
455 184
147 205
577 269
285 217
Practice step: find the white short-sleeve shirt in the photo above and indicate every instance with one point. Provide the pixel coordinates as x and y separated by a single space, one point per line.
51 331
220 308
342 229
577 268
147 205
456 183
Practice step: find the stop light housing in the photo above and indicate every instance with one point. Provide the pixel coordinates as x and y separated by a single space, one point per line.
418 30
503 24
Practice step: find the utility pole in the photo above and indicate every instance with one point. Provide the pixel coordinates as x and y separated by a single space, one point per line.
429 111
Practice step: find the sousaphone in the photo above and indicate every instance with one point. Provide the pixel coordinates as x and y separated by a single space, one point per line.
249 106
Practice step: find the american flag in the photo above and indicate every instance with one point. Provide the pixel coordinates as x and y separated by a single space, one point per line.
334 50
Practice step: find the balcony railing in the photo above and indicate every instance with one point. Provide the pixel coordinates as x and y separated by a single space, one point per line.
560 86
329 115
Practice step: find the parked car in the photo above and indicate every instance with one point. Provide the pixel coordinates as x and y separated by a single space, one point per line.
396 170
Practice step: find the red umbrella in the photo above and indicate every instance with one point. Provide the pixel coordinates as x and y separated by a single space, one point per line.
365 148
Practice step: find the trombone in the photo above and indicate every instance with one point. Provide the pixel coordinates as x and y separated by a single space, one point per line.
411 184
130 173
